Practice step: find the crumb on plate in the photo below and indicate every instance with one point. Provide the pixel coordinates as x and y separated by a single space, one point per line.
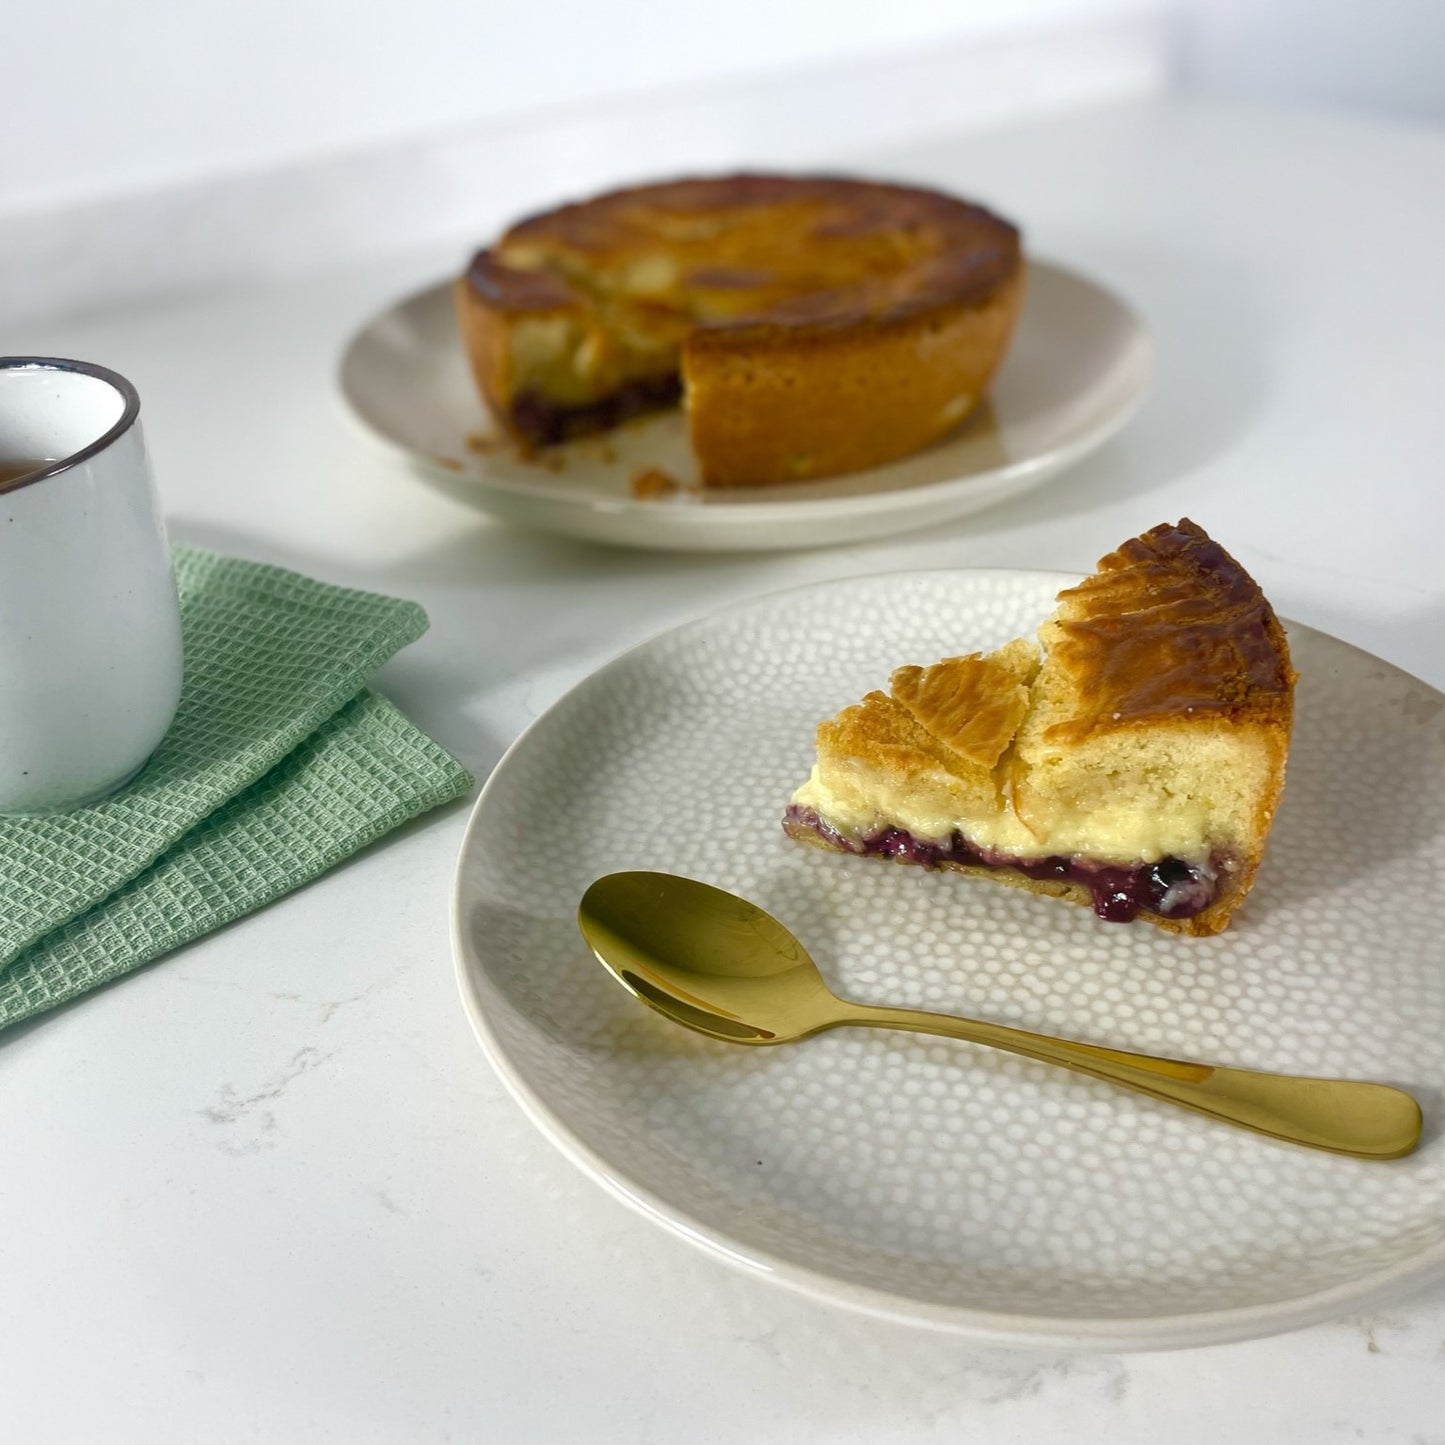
653 482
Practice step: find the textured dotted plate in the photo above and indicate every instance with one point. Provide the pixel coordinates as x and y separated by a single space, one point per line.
1078 367
930 1180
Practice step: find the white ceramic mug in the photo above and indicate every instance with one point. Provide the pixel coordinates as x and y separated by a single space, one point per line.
90 627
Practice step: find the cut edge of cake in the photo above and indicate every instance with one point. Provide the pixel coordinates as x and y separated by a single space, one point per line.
1132 761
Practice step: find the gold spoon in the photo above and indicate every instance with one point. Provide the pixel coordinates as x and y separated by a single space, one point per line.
720 965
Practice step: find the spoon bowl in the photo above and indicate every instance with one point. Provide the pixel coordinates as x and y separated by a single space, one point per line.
721 966
706 958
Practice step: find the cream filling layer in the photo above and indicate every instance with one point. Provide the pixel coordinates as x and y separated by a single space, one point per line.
859 804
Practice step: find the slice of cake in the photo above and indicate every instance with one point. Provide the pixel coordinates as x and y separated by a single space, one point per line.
810 325
1131 761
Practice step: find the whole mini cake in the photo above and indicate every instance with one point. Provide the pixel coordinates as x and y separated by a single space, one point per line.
1131 760
808 325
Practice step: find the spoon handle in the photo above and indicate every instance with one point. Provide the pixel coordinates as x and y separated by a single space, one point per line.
1370 1121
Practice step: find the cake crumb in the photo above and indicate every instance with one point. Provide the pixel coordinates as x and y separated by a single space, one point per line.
598 449
450 463
480 442
653 482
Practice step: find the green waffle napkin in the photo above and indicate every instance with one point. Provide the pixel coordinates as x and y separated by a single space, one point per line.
278 766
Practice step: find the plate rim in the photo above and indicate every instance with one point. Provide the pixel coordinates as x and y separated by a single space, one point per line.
1025 471
989 1327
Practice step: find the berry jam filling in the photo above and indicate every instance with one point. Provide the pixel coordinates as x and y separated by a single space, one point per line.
544 421
1169 888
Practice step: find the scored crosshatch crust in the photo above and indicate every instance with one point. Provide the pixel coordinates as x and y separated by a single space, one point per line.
1168 649
1169 626
974 253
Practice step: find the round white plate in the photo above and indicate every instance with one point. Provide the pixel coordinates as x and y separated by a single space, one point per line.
1078 367
928 1180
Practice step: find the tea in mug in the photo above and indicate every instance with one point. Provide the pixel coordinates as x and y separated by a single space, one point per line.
12 469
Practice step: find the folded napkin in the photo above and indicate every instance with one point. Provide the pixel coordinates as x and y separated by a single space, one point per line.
279 764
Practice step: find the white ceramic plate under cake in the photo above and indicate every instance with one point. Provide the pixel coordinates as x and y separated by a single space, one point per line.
928 1180
1079 366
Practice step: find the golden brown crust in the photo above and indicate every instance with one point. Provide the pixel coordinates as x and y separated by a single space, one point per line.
510 288
974 704
821 324
882 734
915 731
1169 626
1166 684
767 404
799 252
485 344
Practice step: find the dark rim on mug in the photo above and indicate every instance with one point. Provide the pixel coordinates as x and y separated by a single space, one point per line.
128 417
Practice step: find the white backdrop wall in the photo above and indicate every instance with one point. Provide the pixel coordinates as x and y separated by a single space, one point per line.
151 146
179 217
104 97
1381 55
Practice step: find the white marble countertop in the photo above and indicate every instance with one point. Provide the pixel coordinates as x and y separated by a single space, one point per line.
268 1189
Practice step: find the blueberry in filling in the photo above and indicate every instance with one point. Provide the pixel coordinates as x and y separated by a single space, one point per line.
1170 888
544 421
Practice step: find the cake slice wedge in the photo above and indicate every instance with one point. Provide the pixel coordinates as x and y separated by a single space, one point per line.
1132 759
